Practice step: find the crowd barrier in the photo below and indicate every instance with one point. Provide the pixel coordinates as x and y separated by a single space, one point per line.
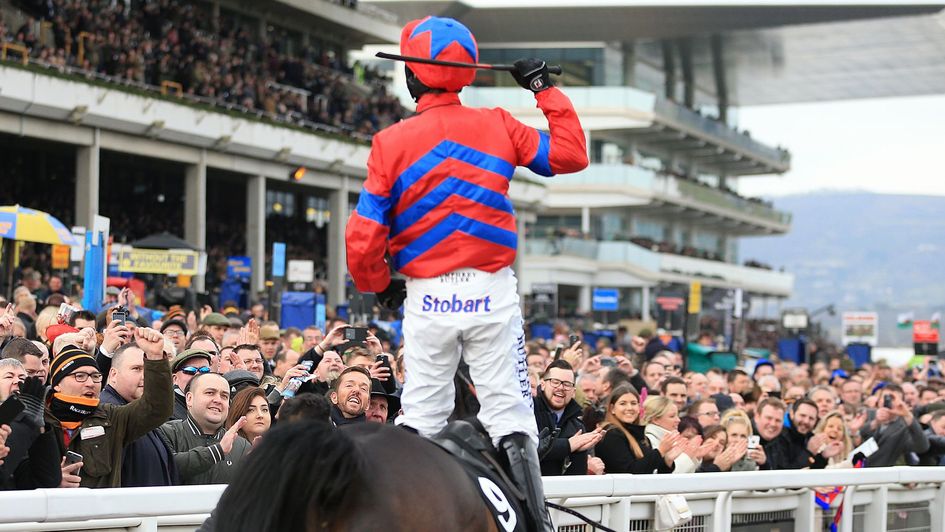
881 499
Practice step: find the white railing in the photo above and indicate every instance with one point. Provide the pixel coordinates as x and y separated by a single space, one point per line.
880 499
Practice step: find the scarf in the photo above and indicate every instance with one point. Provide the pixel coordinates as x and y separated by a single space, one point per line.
70 410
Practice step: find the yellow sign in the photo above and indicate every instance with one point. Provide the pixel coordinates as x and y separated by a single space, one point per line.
163 261
695 297
60 256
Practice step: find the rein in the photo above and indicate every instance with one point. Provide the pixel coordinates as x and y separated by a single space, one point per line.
580 516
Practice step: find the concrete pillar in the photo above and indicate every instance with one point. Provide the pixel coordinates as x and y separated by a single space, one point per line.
584 299
645 304
629 64
195 210
585 220
337 265
256 230
86 182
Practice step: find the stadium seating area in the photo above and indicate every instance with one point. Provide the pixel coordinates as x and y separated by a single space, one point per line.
218 59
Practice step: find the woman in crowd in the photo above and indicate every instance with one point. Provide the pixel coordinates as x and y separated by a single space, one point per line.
250 402
723 456
833 426
738 431
625 448
661 418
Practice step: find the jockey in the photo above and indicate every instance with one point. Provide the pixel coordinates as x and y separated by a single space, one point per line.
436 198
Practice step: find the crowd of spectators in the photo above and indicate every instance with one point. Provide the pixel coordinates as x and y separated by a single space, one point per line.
186 397
220 59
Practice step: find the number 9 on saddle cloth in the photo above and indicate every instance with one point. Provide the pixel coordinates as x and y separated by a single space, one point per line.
473 450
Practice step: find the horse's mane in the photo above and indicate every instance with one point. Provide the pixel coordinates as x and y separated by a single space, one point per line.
299 465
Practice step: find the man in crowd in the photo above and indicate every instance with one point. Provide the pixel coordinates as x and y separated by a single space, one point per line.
559 416
176 331
28 354
147 461
675 389
185 366
205 452
100 431
269 340
739 382
697 386
824 397
795 447
350 396
383 406
894 428
216 325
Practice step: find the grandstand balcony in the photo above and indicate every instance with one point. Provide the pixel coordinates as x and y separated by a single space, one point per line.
664 196
584 262
651 123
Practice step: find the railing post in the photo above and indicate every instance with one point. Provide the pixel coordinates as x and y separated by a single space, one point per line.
937 510
846 519
721 520
876 511
805 516
619 518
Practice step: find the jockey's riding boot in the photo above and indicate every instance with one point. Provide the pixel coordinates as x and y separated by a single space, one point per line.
525 472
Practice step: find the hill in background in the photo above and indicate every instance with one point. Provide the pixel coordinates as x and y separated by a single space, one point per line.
861 251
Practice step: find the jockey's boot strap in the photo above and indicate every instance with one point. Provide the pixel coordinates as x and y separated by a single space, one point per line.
525 473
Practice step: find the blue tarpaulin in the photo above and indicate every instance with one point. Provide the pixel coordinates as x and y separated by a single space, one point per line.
299 309
94 285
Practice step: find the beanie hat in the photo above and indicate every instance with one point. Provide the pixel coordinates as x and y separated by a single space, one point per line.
444 39
55 331
67 361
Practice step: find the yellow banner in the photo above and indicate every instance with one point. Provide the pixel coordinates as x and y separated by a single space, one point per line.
60 257
695 297
163 261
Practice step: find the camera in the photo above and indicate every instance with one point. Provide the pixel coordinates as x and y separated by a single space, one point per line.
573 339
356 334
887 401
66 312
120 315
753 441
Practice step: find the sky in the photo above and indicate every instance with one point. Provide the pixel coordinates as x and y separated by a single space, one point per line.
889 145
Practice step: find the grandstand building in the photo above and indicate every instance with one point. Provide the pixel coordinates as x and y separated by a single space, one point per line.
657 88
196 119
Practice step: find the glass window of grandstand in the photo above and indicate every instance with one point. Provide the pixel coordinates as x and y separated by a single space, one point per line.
299 217
580 66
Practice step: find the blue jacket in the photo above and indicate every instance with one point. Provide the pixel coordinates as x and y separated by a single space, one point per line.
147 461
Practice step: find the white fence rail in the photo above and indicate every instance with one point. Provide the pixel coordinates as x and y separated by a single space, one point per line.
881 499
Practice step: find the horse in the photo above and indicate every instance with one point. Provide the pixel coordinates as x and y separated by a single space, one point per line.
309 476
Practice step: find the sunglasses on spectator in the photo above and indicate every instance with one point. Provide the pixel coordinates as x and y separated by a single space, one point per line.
555 383
190 370
81 376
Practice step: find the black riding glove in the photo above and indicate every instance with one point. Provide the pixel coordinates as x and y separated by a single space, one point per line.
545 440
394 295
532 74
32 395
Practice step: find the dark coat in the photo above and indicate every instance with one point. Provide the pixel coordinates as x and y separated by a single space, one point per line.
180 404
147 461
936 453
558 459
895 440
789 451
339 419
618 457
33 461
